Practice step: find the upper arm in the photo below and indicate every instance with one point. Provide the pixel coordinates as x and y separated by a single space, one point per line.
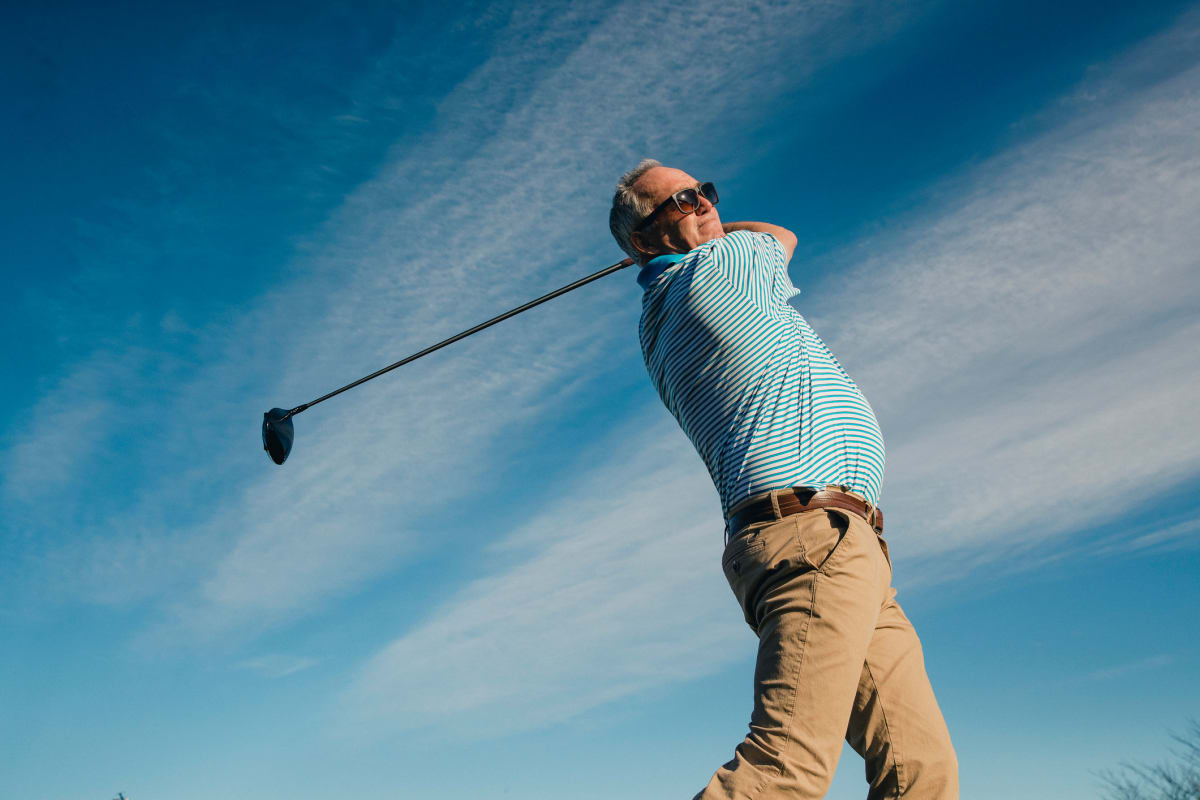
752 262
788 241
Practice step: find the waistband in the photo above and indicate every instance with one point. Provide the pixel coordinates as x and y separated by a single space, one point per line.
782 503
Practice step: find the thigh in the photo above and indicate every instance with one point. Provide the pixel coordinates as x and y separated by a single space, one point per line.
811 589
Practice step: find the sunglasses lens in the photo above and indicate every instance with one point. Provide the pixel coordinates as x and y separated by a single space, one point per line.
687 201
710 192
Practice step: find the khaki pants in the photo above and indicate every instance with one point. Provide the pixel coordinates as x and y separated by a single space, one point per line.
837 659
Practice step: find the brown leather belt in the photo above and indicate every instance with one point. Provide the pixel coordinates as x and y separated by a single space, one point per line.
799 499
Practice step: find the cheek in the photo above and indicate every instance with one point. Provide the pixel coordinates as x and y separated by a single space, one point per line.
677 235
704 227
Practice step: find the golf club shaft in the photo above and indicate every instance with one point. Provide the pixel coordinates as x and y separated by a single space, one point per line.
569 287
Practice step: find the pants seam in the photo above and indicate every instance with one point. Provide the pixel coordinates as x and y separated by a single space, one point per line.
795 684
897 761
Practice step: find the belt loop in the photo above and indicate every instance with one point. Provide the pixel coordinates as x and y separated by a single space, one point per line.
775 504
873 519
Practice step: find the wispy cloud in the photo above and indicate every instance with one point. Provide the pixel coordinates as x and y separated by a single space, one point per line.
65 433
1121 670
620 592
1155 538
278 665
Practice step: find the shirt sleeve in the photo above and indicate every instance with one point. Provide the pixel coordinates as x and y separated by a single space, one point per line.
756 265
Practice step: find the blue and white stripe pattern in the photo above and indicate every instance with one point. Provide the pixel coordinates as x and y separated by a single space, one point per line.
752 385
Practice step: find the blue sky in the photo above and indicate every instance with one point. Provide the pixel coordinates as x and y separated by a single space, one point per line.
495 572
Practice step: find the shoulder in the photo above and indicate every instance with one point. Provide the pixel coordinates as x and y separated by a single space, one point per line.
744 244
745 257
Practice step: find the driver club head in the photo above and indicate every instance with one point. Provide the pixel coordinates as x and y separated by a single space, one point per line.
278 434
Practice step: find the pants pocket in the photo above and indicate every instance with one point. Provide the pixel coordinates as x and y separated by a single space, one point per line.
819 534
883 545
747 560
762 558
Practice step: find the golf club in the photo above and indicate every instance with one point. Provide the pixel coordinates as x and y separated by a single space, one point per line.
278 432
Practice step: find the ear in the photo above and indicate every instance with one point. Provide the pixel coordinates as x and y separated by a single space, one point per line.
641 244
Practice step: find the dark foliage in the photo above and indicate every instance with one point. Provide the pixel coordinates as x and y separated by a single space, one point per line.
1174 779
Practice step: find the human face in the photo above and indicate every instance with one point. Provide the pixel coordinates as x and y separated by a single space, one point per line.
673 231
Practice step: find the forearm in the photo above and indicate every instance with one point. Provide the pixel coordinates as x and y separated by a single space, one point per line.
786 238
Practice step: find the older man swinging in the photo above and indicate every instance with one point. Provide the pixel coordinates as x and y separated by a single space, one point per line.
797 458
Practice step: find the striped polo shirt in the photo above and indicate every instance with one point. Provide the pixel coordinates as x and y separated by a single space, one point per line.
763 400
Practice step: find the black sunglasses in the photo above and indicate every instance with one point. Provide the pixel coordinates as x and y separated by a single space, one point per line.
686 200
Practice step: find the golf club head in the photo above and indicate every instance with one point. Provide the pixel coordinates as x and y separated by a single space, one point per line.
278 434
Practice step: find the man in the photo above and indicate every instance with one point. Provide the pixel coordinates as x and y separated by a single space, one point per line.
797 458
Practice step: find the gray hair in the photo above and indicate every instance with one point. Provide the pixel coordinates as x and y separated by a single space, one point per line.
629 208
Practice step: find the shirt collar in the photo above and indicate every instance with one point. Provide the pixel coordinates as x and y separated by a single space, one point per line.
657 266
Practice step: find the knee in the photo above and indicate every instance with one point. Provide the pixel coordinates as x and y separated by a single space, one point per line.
934 774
